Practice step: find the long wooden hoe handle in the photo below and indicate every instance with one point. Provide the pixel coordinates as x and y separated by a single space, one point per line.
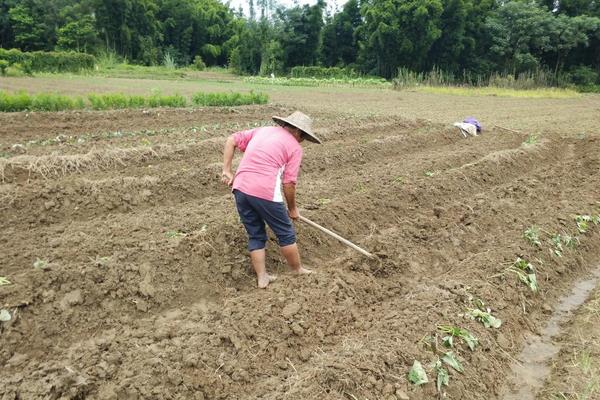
336 236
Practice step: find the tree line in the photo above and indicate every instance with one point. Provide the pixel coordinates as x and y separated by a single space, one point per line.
374 37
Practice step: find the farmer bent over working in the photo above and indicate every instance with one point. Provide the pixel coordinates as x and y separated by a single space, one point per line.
272 157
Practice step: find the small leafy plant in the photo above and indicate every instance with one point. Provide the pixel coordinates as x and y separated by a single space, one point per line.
526 273
175 234
485 317
531 139
583 222
4 281
456 332
429 174
40 264
417 374
557 242
532 235
442 376
452 361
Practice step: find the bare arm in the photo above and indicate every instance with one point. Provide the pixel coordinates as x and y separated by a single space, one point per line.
230 146
289 191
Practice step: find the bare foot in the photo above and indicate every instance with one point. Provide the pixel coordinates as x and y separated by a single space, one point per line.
264 280
301 271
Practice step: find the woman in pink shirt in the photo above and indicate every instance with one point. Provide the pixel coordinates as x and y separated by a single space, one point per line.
270 166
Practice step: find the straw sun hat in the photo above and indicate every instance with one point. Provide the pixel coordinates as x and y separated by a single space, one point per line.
300 121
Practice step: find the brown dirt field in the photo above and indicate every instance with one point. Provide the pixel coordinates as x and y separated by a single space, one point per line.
126 309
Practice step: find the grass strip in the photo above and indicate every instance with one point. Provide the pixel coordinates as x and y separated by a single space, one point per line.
541 93
22 101
229 99
326 82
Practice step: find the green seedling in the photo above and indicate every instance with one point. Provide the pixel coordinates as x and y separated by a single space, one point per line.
360 188
570 241
417 374
400 180
429 173
531 139
532 235
485 317
324 201
583 222
557 242
456 332
175 234
40 264
4 281
526 273
450 360
442 375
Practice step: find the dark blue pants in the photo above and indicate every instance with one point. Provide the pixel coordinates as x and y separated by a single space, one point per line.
254 212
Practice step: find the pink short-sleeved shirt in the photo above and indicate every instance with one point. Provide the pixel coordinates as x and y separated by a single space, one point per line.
272 156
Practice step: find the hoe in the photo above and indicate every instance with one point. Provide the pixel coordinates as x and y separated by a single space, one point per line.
336 236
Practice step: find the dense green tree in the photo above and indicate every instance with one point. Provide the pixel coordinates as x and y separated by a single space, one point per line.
7 37
339 46
520 33
574 8
129 27
398 33
375 36
33 24
78 35
524 34
300 32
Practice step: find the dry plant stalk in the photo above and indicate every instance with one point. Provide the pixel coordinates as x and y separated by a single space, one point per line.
53 165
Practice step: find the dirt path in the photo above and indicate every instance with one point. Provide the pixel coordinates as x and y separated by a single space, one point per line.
143 289
576 370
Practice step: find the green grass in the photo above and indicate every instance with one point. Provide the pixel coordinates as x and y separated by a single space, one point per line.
21 101
229 99
545 93
314 82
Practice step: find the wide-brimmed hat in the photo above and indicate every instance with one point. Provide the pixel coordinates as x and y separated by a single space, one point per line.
300 121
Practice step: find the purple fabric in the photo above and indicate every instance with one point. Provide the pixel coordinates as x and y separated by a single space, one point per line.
471 120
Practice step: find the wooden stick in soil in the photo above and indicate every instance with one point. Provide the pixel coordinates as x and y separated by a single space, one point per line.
336 236
506 129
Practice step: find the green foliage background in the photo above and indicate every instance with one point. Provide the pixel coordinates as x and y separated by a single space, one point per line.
466 39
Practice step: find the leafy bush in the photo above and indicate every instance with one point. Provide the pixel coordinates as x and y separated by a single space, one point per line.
169 61
41 61
199 63
3 65
323 72
229 99
583 76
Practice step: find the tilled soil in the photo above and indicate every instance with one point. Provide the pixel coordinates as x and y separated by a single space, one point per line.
130 279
